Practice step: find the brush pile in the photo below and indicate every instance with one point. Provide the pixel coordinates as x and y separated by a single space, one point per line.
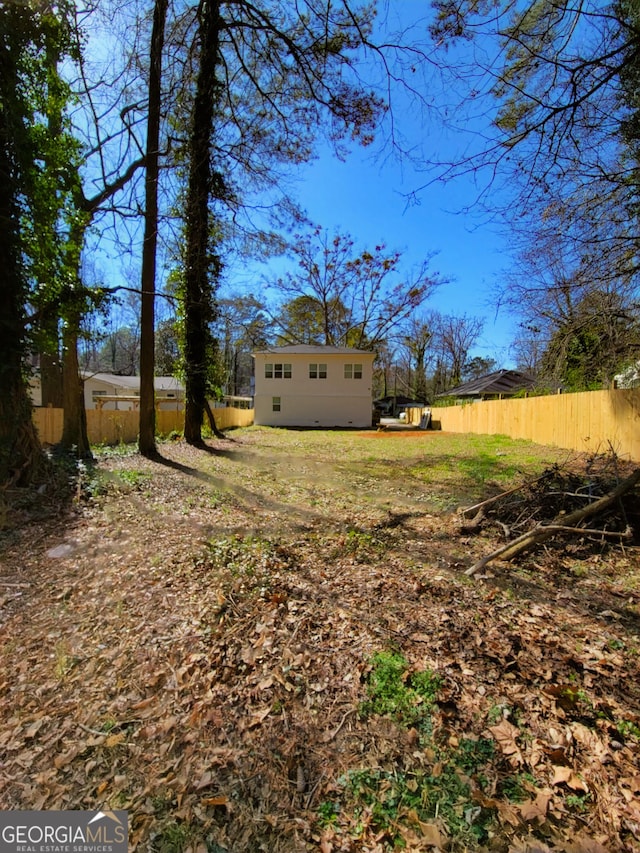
598 506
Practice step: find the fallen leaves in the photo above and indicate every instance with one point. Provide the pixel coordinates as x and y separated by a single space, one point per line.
535 810
505 734
223 694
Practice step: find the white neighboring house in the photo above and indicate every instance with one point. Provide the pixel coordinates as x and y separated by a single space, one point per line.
97 385
313 386
629 378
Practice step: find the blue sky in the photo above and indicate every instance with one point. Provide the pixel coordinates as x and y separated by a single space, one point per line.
368 200
366 197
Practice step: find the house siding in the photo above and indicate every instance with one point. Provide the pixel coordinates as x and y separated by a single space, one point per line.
99 386
105 384
129 386
304 402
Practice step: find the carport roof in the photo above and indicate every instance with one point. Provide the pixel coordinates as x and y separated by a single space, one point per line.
504 382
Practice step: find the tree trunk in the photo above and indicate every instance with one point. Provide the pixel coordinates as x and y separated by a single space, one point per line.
20 454
74 430
147 437
197 308
51 380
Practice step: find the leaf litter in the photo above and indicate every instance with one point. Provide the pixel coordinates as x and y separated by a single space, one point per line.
200 652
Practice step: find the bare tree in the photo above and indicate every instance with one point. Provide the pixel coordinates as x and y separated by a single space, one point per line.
147 435
546 121
276 76
352 298
580 317
458 335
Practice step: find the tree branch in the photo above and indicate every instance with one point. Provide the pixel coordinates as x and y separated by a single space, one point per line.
562 523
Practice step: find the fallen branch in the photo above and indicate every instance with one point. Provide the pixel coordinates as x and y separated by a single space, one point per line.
625 535
562 523
476 507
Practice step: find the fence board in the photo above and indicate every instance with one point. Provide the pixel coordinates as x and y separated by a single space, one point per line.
589 421
48 422
230 417
114 427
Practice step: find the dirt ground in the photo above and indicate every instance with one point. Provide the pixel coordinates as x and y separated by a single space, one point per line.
195 640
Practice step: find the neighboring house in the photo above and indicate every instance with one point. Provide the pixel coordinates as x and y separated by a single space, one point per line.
493 386
169 391
101 388
629 378
35 388
313 386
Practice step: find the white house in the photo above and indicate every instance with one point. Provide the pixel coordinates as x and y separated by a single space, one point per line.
629 378
108 385
100 389
313 386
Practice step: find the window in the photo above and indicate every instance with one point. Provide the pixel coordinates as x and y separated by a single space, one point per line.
317 371
353 371
277 371
276 404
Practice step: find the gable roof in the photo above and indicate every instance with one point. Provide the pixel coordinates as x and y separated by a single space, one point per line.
312 349
132 383
506 382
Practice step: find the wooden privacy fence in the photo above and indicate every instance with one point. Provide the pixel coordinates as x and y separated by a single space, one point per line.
589 421
113 427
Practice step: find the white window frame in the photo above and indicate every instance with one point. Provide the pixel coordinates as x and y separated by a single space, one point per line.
317 370
353 371
277 370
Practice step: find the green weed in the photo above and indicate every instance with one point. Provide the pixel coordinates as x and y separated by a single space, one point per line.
514 788
495 713
394 691
577 802
114 450
250 560
359 543
327 813
392 799
133 478
471 755
173 838
93 482
628 729
64 660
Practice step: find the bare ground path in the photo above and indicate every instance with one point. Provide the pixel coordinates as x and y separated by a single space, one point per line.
194 643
